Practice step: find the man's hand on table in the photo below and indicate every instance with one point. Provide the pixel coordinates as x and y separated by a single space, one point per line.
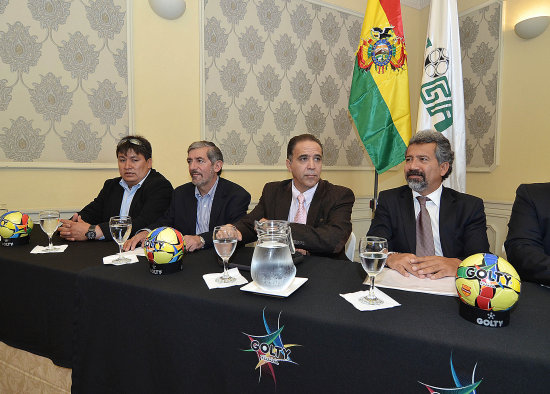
75 229
133 242
433 267
402 263
192 243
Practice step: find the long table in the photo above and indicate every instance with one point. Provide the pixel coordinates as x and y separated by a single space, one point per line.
123 329
142 333
38 294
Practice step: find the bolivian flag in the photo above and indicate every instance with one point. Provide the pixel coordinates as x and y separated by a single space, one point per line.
379 96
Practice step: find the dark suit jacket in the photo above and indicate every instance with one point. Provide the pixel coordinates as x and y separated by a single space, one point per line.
462 224
528 241
230 204
149 202
328 225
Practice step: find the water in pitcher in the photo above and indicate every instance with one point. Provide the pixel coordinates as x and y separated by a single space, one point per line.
272 268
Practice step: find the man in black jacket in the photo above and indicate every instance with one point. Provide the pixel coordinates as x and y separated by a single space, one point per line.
200 205
430 228
528 241
140 192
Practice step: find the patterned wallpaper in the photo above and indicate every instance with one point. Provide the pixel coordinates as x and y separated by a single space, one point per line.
480 33
63 81
278 68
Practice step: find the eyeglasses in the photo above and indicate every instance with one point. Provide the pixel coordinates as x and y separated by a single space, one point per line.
131 140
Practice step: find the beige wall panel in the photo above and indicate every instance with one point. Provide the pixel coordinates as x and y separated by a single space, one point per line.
167 111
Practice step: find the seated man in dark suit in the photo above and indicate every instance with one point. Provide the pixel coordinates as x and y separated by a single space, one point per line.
528 241
321 223
200 205
139 192
429 236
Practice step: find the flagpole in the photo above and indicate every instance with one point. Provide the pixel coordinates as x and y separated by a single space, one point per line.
374 201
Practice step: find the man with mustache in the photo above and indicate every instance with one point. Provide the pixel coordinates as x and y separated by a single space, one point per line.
318 211
200 205
139 192
429 227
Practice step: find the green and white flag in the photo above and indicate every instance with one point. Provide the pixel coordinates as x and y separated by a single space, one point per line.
441 105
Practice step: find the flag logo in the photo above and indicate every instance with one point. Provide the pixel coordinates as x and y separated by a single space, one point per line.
437 63
436 93
382 48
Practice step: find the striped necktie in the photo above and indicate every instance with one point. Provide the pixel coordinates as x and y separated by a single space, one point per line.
301 214
424 235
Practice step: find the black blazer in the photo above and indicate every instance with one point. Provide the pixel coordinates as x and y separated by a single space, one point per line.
230 204
462 223
149 202
328 225
528 241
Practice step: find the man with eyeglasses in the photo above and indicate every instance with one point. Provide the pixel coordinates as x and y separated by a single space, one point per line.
200 205
140 192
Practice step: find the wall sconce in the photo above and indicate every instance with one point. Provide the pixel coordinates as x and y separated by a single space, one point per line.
532 27
168 9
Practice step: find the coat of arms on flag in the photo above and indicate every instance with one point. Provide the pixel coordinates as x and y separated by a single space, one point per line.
383 48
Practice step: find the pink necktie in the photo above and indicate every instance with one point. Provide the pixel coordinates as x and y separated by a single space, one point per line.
301 214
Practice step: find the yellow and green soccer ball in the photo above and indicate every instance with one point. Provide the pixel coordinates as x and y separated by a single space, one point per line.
488 282
15 224
164 245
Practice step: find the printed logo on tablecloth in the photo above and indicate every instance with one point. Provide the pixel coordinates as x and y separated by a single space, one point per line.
270 348
460 388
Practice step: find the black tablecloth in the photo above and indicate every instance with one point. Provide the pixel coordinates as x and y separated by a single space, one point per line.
141 333
38 294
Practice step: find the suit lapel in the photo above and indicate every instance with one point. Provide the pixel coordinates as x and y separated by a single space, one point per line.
447 221
407 218
282 208
315 206
217 203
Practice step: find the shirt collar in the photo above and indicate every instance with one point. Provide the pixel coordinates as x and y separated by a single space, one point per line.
210 192
308 194
434 196
125 186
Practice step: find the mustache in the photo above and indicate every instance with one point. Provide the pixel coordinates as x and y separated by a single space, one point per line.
416 173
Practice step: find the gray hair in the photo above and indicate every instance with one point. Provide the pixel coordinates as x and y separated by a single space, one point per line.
443 150
214 153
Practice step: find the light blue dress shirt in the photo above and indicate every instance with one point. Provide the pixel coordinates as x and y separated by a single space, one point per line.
204 206
129 193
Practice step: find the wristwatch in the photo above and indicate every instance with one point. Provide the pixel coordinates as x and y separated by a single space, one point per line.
90 234
202 240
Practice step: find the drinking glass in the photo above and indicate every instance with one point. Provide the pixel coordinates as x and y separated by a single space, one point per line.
49 221
225 242
373 252
120 227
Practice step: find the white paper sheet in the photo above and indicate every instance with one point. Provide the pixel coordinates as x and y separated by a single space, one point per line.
353 298
210 279
392 279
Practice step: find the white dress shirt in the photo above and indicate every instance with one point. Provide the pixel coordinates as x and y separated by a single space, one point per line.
433 209
308 194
